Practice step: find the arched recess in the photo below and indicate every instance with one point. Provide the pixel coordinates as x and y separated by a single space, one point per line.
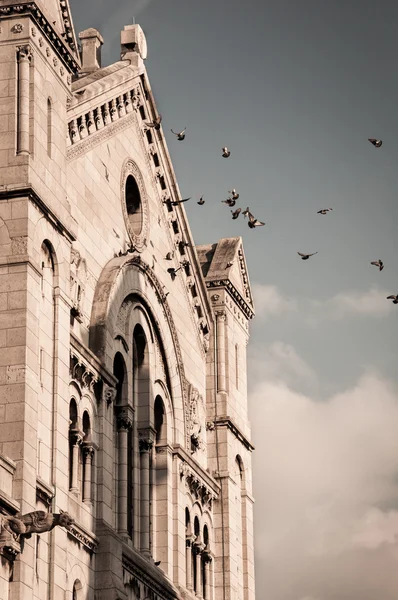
125 277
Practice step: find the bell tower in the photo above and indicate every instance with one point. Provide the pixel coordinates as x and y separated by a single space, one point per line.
228 428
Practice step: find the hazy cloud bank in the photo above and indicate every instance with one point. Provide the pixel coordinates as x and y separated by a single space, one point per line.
328 490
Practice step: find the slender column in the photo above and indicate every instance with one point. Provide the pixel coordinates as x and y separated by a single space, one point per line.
124 423
145 459
113 110
88 453
221 367
207 558
198 549
120 106
77 438
188 560
90 122
24 56
98 118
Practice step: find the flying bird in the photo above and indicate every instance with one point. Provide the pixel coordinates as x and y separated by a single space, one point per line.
173 272
236 213
246 212
201 201
324 211
175 202
229 201
306 256
180 136
393 298
378 263
225 152
376 143
155 123
169 256
234 194
157 563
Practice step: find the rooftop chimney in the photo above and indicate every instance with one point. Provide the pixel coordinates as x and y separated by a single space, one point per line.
91 42
133 43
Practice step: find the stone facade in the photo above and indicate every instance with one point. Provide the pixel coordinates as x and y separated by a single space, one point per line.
123 396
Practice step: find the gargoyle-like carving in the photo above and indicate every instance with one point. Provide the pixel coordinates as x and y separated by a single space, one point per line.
196 420
16 529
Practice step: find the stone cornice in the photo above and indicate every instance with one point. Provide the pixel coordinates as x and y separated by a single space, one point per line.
192 467
63 50
20 192
84 537
88 356
234 293
8 505
225 421
136 567
44 492
7 464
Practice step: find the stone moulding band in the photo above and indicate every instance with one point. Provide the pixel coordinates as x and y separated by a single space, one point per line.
30 8
233 292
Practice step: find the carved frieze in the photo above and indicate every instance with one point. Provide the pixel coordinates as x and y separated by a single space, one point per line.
197 487
82 373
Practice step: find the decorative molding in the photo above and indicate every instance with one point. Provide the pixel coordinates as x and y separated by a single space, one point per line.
197 487
234 293
84 537
138 241
17 28
225 421
63 50
124 417
196 422
143 576
44 492
86 355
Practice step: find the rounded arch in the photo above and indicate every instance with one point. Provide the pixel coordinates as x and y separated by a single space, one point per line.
60 249
86 426
123 277
73 414
240 469
160 420
120 372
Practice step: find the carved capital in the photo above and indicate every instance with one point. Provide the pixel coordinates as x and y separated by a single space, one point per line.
198 547
24 53
88 450
77 436
221 315
189 540
124 417
108 393
145 445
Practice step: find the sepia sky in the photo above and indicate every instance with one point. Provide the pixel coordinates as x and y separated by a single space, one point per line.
294 89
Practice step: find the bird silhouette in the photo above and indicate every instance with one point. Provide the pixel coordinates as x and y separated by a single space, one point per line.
236 213
225 152
306 256
234 194
376 143
181 135
169 256
201 201
173 272
378 263
253 222
393 298
155 124
324 211
229 202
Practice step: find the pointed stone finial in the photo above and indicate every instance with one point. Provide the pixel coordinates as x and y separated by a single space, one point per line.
91 41
133 41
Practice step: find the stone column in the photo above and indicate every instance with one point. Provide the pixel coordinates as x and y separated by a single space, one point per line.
198 549
188 560
24 56
77 438
124 423
207 558
88 453
221 357
146 445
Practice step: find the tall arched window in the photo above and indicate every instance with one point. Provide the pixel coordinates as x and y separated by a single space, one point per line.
75 439
88 453
188 550
49 126
123 449
196 558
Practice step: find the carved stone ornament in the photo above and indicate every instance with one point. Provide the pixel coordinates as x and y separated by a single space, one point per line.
197 416
78 280
199 490
24 52
15 529
81 372
108 393
138 241
17 28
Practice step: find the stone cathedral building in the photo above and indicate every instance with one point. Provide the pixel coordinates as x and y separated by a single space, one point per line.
125 452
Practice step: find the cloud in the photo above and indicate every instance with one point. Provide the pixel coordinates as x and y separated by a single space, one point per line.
269 301
371 303
279 362
326 521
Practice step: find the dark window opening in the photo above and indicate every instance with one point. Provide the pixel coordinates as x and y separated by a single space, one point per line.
175 226
142 113
149 136
162 182
156 160
133 204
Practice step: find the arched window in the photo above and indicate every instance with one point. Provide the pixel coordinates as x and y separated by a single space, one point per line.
196 559
188 550
133 205
160 421
77 590
49 126
123 442
88 454
75 438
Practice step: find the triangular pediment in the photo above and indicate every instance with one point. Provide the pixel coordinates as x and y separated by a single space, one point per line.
225 262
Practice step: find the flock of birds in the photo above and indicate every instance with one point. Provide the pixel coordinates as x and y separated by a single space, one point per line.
252 220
